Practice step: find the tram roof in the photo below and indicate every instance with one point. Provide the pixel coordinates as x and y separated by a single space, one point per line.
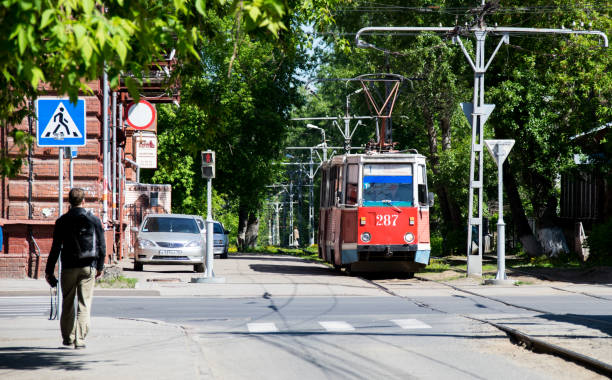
376 158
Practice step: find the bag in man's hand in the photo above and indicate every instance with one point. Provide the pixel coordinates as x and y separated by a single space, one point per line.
52 281
84 234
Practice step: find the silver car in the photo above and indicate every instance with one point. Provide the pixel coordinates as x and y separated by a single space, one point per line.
169 239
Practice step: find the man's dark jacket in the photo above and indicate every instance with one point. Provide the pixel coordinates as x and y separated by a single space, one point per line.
64 241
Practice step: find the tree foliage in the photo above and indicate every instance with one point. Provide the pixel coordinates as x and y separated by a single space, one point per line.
63 44
547 89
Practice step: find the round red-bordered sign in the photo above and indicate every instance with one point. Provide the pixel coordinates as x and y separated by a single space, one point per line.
141 115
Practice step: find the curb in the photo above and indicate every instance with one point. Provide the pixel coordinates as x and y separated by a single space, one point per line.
541 346
97 292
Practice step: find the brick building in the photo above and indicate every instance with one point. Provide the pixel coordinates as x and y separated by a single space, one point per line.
29 203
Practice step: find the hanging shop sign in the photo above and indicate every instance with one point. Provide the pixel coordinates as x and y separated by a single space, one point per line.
145 150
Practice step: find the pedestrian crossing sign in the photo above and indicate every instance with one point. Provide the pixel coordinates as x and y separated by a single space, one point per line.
60 122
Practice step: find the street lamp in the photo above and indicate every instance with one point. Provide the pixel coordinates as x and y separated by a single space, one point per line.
323 144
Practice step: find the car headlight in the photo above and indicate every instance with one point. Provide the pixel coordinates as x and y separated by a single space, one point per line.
144 243
194 243
366 237
409 237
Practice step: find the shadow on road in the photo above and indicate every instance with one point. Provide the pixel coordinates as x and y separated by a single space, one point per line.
34 358
602 323
293 269
267 257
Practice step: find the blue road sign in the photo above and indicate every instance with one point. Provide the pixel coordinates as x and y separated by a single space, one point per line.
60 122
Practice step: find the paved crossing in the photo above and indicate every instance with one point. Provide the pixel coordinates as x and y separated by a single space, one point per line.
12 307
337 326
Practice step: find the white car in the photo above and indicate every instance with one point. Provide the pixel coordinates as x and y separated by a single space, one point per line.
220 238
170 239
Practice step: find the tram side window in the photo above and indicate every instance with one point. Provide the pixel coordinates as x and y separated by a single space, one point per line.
422 185
323 190
331 189
352 181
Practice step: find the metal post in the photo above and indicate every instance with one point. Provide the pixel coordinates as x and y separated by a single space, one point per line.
501 226
277 218
105 89
310 204
114 158
291 213
71 168
209 275
61 181
60 212
474 262
499 150
324 144
209 231
270 241
479 110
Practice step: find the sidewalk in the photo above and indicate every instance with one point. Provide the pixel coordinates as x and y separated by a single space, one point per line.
116 348
157 350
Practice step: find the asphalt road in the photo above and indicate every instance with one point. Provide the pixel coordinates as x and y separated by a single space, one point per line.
347 337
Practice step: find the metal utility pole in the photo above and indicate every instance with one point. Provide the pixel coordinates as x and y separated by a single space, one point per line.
290 213
105 88
477 111
346 133
310 200
208 172
311 174
499 150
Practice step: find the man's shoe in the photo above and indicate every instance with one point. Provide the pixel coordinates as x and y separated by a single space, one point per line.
79 346
67 343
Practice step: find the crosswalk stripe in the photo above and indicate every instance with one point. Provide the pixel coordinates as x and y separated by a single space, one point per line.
411 324
336 326
262 327
23 306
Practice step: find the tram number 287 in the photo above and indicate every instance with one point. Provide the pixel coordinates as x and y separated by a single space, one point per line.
386 220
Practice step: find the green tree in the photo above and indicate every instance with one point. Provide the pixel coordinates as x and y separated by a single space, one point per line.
547 89
65 43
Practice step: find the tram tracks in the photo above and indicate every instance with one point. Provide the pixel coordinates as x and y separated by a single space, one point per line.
516 336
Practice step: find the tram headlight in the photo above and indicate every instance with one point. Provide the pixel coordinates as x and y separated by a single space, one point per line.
366 237
409 237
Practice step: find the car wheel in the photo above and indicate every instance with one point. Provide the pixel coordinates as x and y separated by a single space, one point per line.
199 268
137 266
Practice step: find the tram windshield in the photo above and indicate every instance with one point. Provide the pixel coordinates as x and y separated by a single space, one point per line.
388 185
387 191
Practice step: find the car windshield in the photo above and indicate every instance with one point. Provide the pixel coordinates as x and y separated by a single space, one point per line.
218 229
169 224
387 190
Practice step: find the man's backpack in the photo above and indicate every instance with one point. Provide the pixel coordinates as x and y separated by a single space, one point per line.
84 235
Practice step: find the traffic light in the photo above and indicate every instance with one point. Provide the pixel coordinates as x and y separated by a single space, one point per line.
208 164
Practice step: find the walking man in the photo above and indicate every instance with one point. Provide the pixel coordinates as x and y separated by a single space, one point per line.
78 235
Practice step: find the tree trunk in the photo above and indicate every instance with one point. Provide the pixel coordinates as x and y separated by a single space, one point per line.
250 239
454 213
448 208
243 215
445 125
530 244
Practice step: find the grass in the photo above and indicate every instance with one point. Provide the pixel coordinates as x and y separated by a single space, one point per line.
562 261
436 266
117 282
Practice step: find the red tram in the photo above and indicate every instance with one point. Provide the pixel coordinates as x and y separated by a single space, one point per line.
374 212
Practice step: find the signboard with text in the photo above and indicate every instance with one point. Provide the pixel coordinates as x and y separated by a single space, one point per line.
145 150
